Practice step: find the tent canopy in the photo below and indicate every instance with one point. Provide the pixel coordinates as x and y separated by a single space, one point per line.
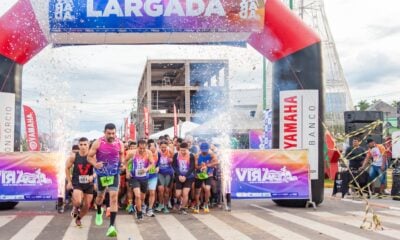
229 122
183 128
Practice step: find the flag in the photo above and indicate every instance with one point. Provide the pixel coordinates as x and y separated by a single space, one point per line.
32 136
175 122
132 132
126 130
331 155
146 122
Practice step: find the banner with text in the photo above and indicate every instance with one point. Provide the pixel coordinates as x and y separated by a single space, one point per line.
31 129
28 176
274 174
7 122
256 139
156 15
298 124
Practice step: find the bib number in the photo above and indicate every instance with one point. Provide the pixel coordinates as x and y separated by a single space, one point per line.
107 181
84 179
202 175
152 170
140 173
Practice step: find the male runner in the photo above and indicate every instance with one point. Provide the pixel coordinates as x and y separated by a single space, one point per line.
153 177
165 175
81 181
205 164
141 160
129 192
184 165
106 156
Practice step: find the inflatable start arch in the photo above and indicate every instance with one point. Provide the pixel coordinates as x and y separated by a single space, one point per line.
268 26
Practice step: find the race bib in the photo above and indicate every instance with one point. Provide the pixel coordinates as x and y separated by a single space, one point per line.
84 179
202 175
107 181
140 173
152 170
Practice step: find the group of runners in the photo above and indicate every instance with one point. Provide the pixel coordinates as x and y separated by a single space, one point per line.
144 177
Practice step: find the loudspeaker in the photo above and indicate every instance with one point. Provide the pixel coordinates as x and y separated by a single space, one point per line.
362 116
351 127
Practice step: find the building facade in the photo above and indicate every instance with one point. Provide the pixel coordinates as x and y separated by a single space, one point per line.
196 87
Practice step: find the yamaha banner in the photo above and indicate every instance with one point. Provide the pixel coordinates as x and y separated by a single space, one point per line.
31 128
299 124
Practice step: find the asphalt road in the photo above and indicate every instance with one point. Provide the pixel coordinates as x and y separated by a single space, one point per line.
249 219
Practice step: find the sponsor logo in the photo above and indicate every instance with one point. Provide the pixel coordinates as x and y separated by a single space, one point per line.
265 175
20 178
64 10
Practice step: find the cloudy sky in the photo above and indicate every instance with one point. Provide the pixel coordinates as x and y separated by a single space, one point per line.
96 84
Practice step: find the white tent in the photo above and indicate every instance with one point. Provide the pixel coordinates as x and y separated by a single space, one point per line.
183 128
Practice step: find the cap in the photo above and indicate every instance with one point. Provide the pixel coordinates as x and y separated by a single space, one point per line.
204 147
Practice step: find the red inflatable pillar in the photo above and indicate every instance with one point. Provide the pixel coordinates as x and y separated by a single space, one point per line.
296 52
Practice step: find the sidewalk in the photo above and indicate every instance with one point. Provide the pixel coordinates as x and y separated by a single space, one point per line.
385 202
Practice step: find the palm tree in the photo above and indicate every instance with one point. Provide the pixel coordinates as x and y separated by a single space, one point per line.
362 105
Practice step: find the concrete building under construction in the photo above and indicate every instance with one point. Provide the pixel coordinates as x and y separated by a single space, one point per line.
196 87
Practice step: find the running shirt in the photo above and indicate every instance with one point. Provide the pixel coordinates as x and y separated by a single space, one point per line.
152 171
184 165
81 171
139 163
206 160
108 154
165 165
376 153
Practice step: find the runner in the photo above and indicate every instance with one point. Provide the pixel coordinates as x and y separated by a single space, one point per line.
81 181
153 177
141 162
129 191
184 165
165 175
106 156
205 164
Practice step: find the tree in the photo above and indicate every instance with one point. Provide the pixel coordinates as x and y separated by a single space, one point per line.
375 101
394 103
362 105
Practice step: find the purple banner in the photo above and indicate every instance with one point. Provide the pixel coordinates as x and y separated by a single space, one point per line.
274 174
28 176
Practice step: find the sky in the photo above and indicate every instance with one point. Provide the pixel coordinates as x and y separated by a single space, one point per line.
86 87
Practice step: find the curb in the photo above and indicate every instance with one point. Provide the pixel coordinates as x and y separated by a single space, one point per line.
362 202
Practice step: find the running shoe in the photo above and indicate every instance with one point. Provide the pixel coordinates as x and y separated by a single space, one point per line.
144 208
183 211
206 209
78 222
130 209
165 210
196 210
139 216
169 205
150 213
159 208
74 212
111 232
99 218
